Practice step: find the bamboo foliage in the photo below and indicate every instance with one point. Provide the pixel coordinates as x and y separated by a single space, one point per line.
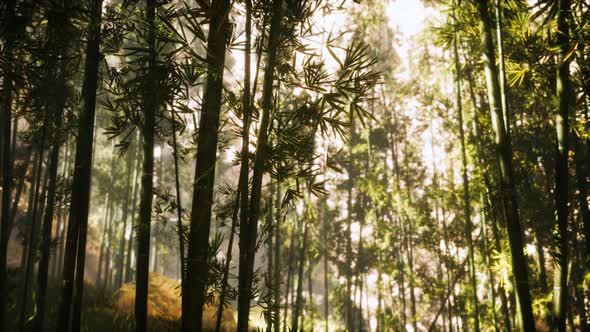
349 165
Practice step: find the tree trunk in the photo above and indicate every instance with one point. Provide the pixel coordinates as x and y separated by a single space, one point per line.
359 263
581 159
410 257
299 298
401 231
60 227
380 312
310 291
61 244
125 207
586 220
540 260
466 198
78 218
486 254
57 66
502 67
503 298
325 254
507 178
476 134
150 100
410 245
31 248
21 186
269 256
277 261
224 282
289 275
32 203
130 246
440 255
578 289
348 295
157 224
108 215
198 260
448 269
46 232
106 286
249 235
243 181
179 226
6 161
102 242
565 97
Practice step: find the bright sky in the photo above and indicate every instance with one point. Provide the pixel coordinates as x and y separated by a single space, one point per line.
407 16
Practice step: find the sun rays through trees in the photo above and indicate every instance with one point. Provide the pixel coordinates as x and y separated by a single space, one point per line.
294 165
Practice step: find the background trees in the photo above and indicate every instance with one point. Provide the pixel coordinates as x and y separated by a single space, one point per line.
377 173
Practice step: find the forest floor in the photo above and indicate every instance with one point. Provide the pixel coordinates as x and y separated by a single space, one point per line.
113 311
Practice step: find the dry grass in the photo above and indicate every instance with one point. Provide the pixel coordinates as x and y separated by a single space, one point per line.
164 303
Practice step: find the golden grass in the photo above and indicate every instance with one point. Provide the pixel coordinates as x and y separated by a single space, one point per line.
164 303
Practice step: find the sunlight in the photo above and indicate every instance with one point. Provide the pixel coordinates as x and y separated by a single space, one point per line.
374 160
531 249
434 154
355 230
342 280
373 303
325 22
407 16
128 232
373 323
230 154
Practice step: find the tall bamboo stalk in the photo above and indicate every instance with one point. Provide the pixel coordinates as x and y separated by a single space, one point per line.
564 94
465 175
198 246
507 177
249 235
150 105
78 218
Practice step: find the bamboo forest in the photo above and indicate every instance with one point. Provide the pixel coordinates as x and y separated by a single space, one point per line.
294 165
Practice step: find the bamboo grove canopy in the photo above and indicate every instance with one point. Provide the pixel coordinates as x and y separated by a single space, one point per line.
294 165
